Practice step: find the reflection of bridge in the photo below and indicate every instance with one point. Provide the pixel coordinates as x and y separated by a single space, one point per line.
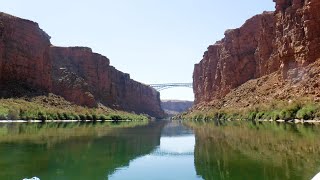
160 87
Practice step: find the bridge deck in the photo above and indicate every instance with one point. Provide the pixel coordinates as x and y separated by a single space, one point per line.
160 87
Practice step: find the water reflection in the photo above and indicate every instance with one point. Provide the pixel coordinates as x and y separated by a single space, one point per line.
239 150
81 157
172 159
267 151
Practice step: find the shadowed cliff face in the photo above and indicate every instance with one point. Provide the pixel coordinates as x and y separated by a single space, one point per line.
76 73
273 41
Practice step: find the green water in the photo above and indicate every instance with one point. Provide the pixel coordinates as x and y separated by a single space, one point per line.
166 150
266 151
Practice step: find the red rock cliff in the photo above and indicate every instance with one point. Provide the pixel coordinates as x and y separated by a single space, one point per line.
86 78
24 52
280 40
76 73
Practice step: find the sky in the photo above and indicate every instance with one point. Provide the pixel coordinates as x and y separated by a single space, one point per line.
155 41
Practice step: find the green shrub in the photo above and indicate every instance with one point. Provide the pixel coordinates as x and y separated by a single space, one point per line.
61 116
259 115
50 117
252 115
103 117
275 115
82 117
198 117
67 116
94 117
221 115
54 116
286 114
3 116
13 114
307 112
76 117
267 115
89 117
116 117
289 112
42 116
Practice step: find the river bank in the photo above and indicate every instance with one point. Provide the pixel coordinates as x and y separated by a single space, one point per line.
53 108
298 111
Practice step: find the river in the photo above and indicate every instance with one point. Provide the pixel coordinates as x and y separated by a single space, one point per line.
165 150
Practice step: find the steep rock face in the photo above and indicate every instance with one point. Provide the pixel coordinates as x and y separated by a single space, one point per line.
297 37
86 78
24 52
242 55
286 39
76 73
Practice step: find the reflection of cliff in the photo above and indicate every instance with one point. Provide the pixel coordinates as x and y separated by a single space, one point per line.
80 158
267 152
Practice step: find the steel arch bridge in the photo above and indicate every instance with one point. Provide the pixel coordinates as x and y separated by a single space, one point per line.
160 87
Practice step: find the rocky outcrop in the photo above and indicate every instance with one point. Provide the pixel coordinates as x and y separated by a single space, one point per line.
75 73
273 41
174 107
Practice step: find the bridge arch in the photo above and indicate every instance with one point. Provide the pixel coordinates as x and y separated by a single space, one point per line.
160 87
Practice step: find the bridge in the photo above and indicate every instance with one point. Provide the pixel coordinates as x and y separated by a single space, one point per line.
160 87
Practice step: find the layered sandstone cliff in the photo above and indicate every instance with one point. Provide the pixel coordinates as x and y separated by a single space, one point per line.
75 73
270 42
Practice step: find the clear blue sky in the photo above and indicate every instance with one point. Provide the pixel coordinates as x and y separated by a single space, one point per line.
155 41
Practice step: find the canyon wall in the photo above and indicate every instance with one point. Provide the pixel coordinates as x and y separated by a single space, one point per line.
75 73
24 52
273 41
85 77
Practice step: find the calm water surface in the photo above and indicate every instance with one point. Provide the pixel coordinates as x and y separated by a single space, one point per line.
168 150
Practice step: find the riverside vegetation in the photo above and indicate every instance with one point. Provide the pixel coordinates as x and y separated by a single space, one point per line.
52 107
302 109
